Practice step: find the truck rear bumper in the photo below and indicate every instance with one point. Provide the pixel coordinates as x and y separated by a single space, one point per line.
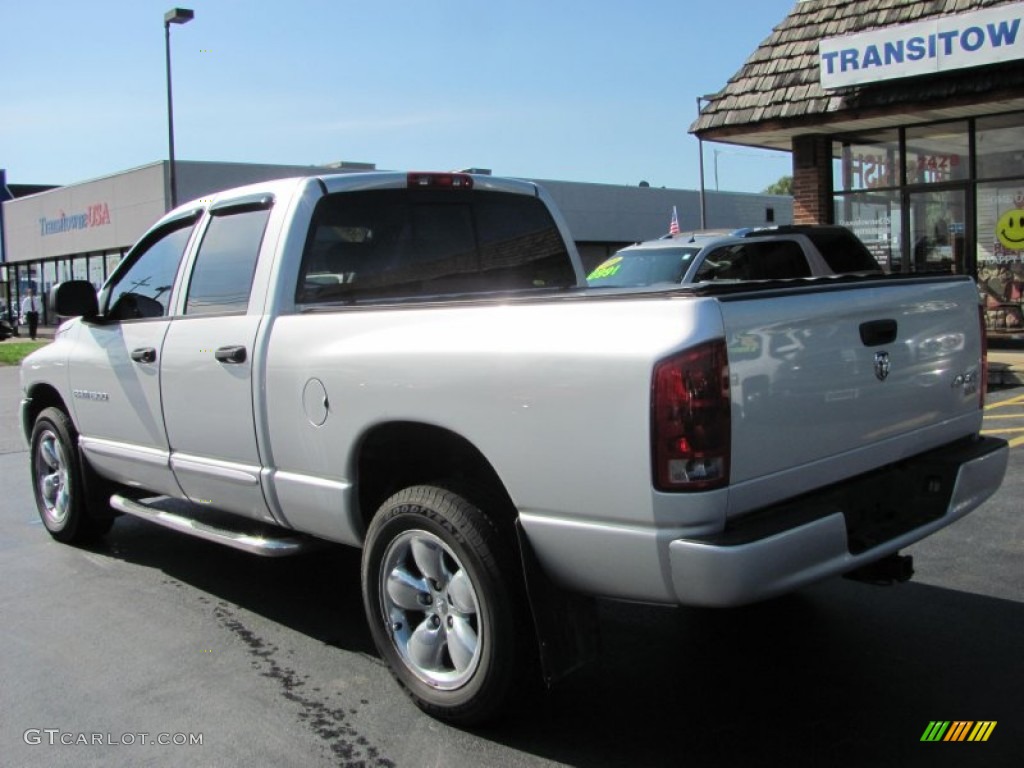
836 530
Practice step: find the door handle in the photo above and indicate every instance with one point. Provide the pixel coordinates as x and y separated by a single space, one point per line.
234 355
877 333
144 355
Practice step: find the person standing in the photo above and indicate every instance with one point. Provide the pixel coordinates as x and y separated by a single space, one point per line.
30 311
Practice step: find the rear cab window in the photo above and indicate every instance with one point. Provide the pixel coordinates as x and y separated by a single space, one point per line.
397 244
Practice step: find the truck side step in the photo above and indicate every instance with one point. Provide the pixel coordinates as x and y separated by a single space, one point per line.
238 533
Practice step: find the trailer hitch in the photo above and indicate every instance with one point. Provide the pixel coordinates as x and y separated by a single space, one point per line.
889 570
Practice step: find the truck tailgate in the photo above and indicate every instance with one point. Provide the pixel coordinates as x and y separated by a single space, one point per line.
843 378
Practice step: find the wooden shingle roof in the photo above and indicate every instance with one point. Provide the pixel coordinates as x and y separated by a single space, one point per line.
777 94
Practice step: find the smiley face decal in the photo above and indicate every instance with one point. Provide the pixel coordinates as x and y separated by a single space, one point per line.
1010 229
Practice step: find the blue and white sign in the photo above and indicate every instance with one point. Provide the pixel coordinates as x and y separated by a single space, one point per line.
941 44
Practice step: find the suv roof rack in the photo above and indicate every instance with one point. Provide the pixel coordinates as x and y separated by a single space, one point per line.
783 229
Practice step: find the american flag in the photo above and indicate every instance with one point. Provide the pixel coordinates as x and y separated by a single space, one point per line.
673 227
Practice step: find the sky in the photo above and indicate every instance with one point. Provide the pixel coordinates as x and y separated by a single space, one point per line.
595 91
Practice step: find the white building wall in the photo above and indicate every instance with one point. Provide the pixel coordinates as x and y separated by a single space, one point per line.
608 213
105 213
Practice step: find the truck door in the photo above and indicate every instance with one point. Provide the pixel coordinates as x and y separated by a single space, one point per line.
206 367
115 377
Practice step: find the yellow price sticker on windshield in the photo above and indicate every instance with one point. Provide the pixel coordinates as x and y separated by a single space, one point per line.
606 269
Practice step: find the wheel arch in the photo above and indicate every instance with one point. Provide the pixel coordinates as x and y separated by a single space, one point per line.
395 455
38 398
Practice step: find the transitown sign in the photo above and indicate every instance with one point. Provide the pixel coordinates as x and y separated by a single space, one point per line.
96 215
941 44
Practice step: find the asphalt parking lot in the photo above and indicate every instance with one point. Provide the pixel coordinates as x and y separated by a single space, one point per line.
153 634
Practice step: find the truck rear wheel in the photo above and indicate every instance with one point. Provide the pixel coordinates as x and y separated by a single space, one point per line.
68 508
444 601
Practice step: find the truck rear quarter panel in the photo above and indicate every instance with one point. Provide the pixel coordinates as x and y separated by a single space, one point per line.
554 394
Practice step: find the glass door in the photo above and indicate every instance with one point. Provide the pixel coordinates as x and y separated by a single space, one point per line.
938 230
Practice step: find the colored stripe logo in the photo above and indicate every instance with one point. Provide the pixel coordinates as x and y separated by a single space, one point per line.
958 730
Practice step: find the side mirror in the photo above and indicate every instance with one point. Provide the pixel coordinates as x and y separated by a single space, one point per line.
74 298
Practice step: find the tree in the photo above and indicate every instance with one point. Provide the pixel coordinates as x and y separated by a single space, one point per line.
784 186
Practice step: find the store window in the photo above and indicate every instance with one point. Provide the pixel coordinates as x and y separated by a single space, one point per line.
917 211
874 217
999 146
49 275
113 259
29 276
63 267
5 295
96 270
870 161
1000 251
938 154
49 280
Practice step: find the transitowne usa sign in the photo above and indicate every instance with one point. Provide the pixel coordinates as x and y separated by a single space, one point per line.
925 47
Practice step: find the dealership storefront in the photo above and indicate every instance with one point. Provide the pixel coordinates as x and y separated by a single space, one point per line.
906 123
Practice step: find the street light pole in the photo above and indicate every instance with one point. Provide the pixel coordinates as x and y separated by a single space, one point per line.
700 150
173 16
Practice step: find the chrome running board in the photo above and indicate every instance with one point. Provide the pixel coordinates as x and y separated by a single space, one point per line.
249 535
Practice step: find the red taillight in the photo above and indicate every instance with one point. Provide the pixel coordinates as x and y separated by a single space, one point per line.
691 422
440 180
984 357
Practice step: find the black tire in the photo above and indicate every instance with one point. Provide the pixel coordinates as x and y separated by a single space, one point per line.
72 500
453 626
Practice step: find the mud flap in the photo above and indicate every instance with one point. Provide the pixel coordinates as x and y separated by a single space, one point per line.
568 631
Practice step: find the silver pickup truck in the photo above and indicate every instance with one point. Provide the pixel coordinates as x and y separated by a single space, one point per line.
413 364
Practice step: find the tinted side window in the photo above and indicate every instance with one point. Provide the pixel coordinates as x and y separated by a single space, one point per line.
224 267
776 260
144 290
725 263
388 244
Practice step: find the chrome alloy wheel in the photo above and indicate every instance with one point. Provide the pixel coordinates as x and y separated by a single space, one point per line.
52 473
433 614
